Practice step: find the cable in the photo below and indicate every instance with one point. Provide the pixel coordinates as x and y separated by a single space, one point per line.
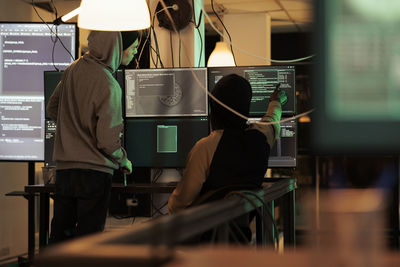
138 57
243 195
172 49
268 211
226 30
55 9
283 120
232 234
180 41
156 42
209 93
51 31
158 210
52 50
240 232
201 46
248 53
143 46
155 36
157 175
124 217
197 26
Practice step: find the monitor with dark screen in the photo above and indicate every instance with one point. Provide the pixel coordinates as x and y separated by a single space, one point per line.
26 52
163 142
263 80
51 80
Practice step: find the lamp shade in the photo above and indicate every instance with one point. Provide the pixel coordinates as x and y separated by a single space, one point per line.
114 15
221 56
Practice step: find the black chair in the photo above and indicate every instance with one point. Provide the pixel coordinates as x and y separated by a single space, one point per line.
240 232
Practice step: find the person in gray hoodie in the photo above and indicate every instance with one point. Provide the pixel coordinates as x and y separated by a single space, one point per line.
87 107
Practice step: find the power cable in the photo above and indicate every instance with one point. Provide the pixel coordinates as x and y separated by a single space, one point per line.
209 93
243 195
172 49
226 30
51 31
197 27
248 53
268 211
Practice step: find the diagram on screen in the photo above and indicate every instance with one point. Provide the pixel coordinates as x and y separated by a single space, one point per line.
165 92
172 100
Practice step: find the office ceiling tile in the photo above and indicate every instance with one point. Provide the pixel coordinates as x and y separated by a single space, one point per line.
301 15
296 4
251 7
279 15
284 28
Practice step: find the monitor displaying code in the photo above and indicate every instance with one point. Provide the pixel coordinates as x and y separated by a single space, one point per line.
284 151
26 51
263 80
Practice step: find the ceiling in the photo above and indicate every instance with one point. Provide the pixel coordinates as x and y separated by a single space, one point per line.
286 15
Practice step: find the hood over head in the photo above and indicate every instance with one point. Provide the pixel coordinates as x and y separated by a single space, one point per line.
105 48
234 91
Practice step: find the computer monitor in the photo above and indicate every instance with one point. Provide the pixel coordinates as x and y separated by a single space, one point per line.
49 135
166 92
284 151
51 80
263 80
356 84
163 142
26 52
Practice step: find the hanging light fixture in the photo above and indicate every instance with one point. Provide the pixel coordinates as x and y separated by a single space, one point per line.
221 56
71 14
114 15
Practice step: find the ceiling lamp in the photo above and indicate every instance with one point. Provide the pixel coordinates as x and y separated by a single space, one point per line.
71 14
221 56
115 15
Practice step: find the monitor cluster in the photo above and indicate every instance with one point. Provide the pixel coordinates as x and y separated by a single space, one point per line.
166 111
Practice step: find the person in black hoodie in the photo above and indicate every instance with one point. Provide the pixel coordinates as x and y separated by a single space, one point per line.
234 153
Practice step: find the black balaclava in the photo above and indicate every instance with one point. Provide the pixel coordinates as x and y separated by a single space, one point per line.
128 38
234 91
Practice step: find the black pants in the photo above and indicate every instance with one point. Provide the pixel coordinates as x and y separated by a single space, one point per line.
80 203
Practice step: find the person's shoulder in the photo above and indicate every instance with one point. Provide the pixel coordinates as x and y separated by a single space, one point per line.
210 140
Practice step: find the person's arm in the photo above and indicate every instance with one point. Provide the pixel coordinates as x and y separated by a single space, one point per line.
109 129
273 114
194 175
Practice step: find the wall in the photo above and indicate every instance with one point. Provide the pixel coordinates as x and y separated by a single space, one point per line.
251 37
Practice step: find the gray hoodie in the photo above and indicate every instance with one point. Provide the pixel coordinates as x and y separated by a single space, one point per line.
87 107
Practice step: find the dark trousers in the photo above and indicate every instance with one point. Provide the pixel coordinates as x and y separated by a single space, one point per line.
81 201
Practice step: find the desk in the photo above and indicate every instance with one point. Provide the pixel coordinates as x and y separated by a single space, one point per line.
44 192
215 256
153 243
275 189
